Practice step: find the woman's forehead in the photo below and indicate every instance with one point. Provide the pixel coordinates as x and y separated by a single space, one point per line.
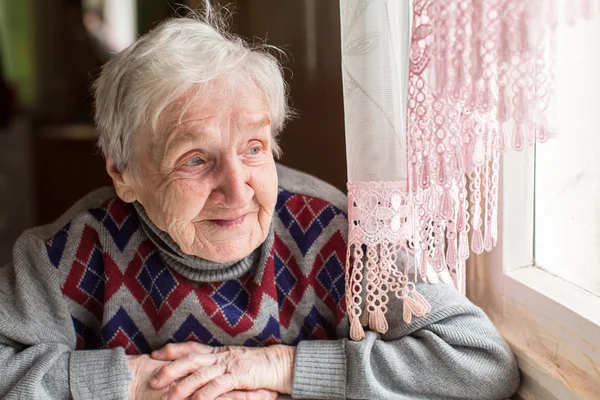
245 102
196 111
245 112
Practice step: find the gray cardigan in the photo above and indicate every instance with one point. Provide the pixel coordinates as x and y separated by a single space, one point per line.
454 352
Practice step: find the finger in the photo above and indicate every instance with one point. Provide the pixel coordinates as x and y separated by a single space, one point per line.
180 368
217 387
196 380
261 394
173 351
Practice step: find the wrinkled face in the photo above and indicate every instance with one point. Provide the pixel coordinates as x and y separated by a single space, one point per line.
208 178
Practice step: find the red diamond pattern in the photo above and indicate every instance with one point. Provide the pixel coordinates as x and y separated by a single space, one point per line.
335 247
116 279
94 278
288 305
203 292
117 210
71 287
305 209
122 340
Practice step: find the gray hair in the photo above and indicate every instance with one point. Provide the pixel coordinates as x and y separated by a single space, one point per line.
178 56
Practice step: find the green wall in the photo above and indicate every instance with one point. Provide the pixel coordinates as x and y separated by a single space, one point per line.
17 48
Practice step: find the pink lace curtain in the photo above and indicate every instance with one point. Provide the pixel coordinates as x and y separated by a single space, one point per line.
434 92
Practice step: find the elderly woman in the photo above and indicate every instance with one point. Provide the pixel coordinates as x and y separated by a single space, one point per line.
209 271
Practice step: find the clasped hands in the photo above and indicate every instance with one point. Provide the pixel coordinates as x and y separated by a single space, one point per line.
195 371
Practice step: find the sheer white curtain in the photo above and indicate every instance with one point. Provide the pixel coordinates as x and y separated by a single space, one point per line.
434 91
375 43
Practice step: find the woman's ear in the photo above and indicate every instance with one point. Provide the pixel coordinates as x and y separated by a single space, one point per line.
122 181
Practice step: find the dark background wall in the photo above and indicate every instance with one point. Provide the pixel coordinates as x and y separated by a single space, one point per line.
48 60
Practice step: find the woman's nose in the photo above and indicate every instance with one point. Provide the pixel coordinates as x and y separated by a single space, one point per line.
233 190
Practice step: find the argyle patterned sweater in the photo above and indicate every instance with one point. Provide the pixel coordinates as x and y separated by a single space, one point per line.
104 281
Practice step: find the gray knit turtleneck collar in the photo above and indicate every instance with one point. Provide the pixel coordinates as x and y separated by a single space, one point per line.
197 269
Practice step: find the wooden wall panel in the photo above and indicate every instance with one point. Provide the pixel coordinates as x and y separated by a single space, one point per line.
309 32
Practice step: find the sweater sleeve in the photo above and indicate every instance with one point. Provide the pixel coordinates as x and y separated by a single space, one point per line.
37 340
454 352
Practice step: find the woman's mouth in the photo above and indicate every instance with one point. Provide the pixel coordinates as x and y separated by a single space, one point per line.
229 223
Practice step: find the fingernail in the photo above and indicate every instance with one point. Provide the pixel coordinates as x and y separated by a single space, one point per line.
165 396
154 380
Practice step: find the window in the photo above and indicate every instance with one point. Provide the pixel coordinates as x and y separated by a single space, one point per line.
111 22
567 168
542 284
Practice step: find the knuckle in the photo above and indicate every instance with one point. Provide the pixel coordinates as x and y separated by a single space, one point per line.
237 349
222 358
170 348
194 359
178 391
197 396
199 375
220 383
229 360
164 374
194 346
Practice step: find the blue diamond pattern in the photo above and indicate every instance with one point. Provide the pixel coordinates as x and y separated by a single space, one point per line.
284 279
285 216
92 282
191 326
271 331
121 235
332 278
122 321
55 246
233 301
78 326
156 279
282 197
312 320
304 239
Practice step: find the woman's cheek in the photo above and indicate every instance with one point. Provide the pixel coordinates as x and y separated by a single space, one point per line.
265 186
182 200
194 195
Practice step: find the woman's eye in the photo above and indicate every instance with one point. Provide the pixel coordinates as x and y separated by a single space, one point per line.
194 162
255 150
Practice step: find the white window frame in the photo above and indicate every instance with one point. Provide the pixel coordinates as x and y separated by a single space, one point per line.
552 326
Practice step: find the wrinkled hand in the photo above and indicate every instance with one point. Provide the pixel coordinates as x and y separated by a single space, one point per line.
143 368
203 372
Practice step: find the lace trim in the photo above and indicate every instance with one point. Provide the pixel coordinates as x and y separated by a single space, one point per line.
475 68
380 231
